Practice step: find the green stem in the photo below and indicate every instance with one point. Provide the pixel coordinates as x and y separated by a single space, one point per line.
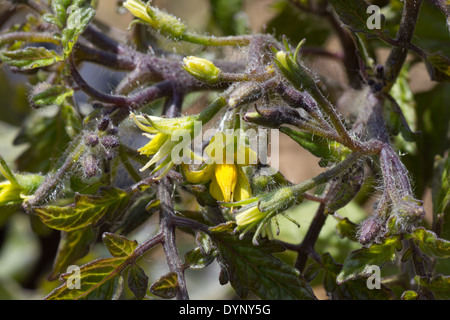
45 37
330 111
397 57
216 41
210 111
55 177
338 169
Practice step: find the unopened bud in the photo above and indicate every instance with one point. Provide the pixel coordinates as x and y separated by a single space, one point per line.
273 117
90 165
245 93
202 69
166 23
91 140
103 124
110 142
112 130
281 56
369 230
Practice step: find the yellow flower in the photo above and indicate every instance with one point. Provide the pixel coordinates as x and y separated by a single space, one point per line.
224 169
161 132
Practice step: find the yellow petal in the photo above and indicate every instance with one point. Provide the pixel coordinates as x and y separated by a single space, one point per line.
200 176
249 216
139 119
226 176
242 191
154 145
214 190
163 151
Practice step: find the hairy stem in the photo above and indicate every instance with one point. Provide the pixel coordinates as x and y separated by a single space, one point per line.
32 37
397 56
310 238
419 267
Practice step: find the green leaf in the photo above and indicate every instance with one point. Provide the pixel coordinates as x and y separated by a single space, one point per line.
354 15
204 242
59 8
137 281
356 289
439 285
196 259
119 246
53 95
72 17
30 58
98 280
441 194
358 263
345 228
409 295
438 67
77 21
254 268
73 246
433 117
431 32
225 227
402 115
86 210
430 243
166 287
136 214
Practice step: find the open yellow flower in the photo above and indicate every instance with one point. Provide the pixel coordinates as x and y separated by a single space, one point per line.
225 168
161 131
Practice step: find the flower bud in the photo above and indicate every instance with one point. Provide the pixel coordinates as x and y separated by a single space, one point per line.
91 140
273 117
90 165
110 142
167 24
245 93
296 73
103 124
260 211
202 69
369 231
281 56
